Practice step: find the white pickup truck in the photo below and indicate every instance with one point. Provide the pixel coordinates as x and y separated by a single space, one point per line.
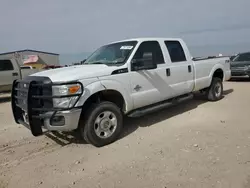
131 77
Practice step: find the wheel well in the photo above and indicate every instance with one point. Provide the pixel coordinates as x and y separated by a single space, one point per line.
105 95
218 74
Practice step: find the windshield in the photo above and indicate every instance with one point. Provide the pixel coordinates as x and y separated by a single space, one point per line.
112 54
242 57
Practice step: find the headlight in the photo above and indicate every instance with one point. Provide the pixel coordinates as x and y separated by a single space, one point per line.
68 94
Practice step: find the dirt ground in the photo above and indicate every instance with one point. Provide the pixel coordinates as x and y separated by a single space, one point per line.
195 144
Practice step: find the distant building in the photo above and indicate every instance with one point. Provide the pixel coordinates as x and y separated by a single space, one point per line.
33 58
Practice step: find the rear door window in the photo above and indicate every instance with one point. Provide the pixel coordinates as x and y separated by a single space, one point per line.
6 65
175 51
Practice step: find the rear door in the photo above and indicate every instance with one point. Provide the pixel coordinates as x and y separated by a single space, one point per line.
180 70
7 75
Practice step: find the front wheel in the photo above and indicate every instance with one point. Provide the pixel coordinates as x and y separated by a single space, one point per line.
103 124
215 91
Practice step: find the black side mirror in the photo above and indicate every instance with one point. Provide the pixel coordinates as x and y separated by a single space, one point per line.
145 63
83 61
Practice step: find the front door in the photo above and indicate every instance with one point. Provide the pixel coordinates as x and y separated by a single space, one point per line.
149 86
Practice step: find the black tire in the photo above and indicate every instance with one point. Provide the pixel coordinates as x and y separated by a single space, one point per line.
212 93
87 128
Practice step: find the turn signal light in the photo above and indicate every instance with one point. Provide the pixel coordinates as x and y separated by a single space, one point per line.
74 89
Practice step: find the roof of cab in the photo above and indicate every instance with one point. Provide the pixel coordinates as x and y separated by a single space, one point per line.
146 39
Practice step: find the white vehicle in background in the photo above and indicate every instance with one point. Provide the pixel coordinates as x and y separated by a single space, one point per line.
131 77
27 70
10 71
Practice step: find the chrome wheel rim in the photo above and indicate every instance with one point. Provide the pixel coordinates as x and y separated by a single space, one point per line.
105 124
218 90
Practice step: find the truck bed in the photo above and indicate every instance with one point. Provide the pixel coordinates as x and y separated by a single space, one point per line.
203 66
209 57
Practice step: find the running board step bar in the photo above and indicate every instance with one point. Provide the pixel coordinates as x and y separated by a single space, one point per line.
158 106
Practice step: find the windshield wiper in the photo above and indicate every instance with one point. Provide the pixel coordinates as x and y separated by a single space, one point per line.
115 62
105 63
96 62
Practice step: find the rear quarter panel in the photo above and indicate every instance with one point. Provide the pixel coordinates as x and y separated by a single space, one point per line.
204 70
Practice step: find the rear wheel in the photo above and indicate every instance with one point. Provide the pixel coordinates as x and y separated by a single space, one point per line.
215 91
102 124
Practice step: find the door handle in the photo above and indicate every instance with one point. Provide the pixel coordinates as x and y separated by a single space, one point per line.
189 68
168 72
14 74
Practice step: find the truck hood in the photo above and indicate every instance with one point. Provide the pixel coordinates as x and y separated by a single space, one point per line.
240 63
77 72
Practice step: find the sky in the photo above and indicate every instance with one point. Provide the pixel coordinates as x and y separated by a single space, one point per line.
78 26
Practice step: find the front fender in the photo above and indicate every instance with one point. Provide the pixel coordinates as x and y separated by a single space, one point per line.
89 90
120 87
98 86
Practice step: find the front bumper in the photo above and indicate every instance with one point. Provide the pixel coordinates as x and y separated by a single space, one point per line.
71 118
240 72
32 106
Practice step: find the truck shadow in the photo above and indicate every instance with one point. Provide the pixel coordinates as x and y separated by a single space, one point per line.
65 138
5 97
132 124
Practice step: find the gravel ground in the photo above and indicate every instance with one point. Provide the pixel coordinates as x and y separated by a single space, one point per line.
195 144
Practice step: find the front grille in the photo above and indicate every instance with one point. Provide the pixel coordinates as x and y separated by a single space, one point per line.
239 68
38 90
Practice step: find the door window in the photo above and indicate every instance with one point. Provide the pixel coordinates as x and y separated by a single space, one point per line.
175 51
6 65
150 47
